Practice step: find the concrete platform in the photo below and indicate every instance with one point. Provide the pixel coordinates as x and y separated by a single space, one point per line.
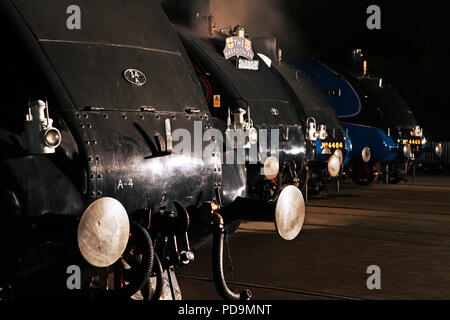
404 229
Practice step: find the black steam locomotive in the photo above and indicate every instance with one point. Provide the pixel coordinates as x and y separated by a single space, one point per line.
244 77
110 167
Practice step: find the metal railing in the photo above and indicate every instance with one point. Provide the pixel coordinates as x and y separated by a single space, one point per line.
430 156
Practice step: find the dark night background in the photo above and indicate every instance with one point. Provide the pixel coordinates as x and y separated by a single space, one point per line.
411 50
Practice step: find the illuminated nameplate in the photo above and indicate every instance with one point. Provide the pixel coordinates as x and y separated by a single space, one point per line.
412 141
238 47
248 65
332 145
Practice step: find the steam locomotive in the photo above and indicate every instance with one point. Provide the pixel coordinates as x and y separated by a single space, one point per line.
243 75
108 165
386 139
332 147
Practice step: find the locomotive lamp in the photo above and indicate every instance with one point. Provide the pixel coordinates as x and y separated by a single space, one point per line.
245 127
253 136
239 121
323 132
239 31
417 131
312 132
52 137
40 136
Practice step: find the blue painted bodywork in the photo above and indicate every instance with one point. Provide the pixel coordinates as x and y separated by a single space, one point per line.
348 104
350 152
382 147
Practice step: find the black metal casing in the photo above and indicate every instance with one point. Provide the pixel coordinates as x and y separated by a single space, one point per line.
114 133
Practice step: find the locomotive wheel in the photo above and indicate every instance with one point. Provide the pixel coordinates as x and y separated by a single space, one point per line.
362 173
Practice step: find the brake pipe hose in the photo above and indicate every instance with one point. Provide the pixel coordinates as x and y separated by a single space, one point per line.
217 263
